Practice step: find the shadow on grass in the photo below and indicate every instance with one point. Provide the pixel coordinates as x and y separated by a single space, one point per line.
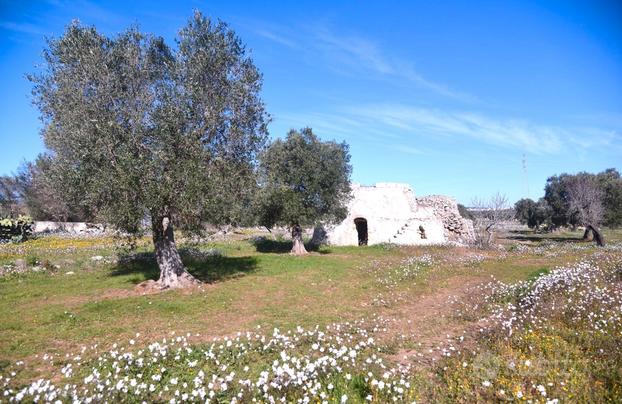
266 245
206 267
528 235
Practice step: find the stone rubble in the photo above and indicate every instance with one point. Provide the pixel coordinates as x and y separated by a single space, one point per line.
457 228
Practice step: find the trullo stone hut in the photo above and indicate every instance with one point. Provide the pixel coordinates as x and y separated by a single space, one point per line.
390 213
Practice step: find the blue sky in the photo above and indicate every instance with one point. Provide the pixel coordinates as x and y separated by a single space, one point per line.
446 97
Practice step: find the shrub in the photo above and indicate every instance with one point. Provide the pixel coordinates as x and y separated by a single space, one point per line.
16 230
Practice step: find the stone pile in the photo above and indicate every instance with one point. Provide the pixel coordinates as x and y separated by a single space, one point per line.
70 228
445 208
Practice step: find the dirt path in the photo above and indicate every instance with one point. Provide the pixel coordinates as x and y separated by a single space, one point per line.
425 329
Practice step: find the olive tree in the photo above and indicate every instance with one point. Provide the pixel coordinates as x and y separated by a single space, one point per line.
610 183
532 213
42 199
10 204
585 199
138 129
304 181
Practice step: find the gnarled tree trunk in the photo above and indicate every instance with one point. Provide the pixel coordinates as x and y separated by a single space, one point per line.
299 247
596 235
172 271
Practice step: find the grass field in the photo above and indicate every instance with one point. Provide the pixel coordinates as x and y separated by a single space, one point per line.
416 323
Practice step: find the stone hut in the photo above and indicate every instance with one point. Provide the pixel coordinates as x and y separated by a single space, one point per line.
390 213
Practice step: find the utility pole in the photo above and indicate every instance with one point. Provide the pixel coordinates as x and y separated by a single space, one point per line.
525 176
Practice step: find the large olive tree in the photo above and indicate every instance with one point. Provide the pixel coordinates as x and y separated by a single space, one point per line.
140 130
304 181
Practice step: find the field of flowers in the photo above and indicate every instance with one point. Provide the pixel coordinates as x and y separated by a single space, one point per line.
533 322
557 337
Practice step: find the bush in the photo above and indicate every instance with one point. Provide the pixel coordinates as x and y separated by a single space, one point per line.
16 230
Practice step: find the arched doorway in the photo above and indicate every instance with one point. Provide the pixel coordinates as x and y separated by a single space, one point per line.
361 229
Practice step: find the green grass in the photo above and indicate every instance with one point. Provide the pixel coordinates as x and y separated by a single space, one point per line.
267 289
610 235
246 286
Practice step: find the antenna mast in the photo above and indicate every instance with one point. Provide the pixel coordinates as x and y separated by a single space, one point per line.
525 176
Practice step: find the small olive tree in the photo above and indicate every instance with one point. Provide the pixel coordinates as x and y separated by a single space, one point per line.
137 129
303 181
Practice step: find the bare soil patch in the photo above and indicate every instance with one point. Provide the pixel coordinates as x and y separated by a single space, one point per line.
425 326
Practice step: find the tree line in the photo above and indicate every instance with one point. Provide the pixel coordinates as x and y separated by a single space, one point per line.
572 200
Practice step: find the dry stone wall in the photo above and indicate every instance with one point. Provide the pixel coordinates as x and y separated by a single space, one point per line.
456 227
69 228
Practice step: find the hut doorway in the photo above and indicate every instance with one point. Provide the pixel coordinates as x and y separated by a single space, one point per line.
361 229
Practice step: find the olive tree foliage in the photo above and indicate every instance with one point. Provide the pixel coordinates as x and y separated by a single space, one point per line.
533 214
610 182
488 215
556 193
304 181
42 199
138 129
10 203
31 192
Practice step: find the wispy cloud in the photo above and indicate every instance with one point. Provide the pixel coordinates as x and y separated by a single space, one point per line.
278 38
359 51
40 23
355 54
334 125
22 27
354 50
513 133
400 125
407 149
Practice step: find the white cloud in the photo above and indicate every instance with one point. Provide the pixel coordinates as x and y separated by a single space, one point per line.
353 50
25 28
274 37
354 54
358 51
402 124
407 149
511 133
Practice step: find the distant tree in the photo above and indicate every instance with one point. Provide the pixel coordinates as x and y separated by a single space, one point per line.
556 195
11 205
585 198
610 183
532 213
304 181
137 129
42 199
489 215
464 212
543 214
524 212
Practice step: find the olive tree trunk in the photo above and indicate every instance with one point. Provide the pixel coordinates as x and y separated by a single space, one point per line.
172 272
596 235
299 246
